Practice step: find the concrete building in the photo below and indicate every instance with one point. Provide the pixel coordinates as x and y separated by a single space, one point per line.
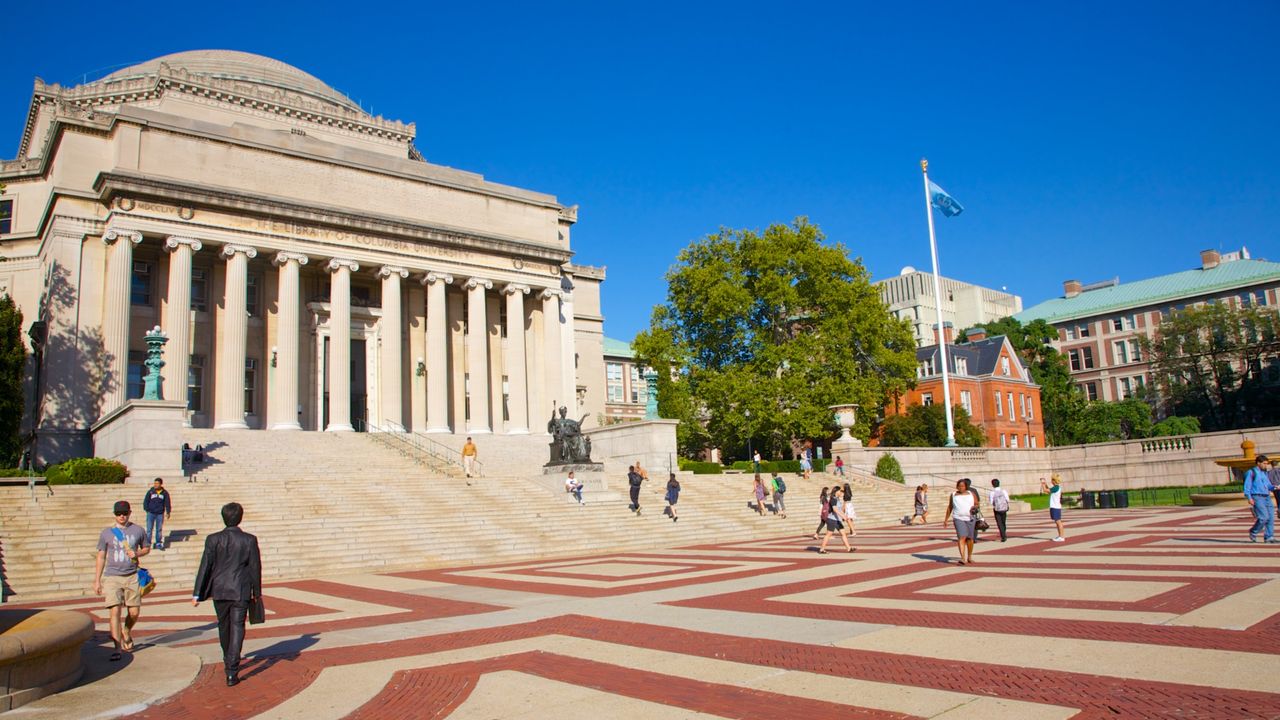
311 269
910 295
989 381
1099 324
626 393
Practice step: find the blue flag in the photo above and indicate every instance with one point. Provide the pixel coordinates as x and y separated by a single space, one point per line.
946 204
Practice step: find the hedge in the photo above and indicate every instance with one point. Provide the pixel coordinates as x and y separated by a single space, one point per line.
700 468
87 471
889 468
778 466
18 472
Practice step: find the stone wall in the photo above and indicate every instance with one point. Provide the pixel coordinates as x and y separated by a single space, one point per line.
1130 464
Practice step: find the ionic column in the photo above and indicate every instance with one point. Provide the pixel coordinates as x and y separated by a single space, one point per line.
551 350
288 307
569 377
478 355
515 360
231 347
340 345
437 353
115 314
177 318
392 347
417 323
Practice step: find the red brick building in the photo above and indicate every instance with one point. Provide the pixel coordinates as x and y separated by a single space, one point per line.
989 381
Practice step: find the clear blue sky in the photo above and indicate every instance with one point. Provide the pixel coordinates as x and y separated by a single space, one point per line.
1086 140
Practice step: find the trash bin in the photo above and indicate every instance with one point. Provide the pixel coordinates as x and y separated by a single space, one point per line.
1106 497
1088 499
1122 498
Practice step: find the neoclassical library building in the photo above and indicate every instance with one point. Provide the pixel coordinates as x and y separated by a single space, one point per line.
310 269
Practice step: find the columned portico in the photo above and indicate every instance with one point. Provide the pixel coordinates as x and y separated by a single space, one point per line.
515 361
230 405
478 356
340 344
177 317
552 347
115 314
437 356
392 348
288 306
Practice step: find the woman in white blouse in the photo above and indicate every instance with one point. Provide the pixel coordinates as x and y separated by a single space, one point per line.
963 513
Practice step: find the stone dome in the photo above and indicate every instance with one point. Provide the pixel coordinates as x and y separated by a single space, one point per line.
243 66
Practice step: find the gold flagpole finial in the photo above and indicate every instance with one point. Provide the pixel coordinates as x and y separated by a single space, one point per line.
924 165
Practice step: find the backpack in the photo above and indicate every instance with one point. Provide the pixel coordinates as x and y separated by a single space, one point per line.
780 485
146 581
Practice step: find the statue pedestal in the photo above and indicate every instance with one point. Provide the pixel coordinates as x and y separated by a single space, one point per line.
566 468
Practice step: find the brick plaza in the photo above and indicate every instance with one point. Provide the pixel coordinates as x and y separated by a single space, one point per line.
1167 612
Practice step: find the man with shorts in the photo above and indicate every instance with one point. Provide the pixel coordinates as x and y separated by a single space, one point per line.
1055 503
116 575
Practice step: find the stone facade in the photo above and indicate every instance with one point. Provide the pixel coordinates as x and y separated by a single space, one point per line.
311 269
910 295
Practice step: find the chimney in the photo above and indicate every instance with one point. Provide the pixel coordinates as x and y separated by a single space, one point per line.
948 331
1071 288
1209 259
975 334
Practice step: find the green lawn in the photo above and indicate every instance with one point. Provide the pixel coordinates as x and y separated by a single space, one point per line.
1137 498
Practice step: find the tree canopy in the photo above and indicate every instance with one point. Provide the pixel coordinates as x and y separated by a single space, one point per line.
763 331
13 357
1218 363
926 426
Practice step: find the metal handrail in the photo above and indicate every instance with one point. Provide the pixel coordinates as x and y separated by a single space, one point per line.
423 451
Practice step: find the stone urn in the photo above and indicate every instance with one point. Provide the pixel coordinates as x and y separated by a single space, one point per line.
846 417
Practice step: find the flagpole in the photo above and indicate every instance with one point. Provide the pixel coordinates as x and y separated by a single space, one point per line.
937 296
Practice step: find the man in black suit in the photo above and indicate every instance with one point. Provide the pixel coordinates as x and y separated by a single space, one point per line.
231 574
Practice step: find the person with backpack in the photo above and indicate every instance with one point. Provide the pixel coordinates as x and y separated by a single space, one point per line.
673 496
822 512
1000 506
634 479
837 521
115 576
779 489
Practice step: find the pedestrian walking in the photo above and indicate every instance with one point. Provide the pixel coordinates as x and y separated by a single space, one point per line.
574 488
1000 507
1055 503
1274 475
962 511
851 512
922 505
115 576
759 492
158 506
779 487
806 465
1257 490
755 461
469 455
836 521
673 496
634 479
230 574
823 509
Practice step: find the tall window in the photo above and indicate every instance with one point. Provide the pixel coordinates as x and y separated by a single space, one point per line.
466 394
1084 330
195 384
966 401
250 384
1004 441
6 216
999 405
926 399
199 289
252 298
1004 366
1070 333
1086 356
1135 351
1091 390
140 285
1074 357
1013 440
613 380
136 371
1121 349
1012 412
506 398
962 366
639 388
502 319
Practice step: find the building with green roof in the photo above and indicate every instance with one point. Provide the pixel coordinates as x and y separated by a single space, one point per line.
625 391
1099 324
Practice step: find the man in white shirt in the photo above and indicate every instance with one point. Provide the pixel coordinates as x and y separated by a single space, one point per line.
572 486
1000 506
1055 503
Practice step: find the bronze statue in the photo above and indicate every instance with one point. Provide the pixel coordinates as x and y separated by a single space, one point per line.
568 444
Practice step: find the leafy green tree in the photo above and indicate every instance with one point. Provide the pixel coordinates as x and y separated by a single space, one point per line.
763 331
926 426
13 358
1108 421
1062 403
1176 425
1216 362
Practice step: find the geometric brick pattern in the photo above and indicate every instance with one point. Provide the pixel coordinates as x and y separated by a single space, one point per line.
1165 612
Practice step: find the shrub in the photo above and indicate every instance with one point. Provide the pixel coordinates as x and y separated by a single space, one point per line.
18 472
87 471
700 468
889 468
778 466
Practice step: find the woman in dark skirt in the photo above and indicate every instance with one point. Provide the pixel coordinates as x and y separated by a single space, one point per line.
822 512
673 496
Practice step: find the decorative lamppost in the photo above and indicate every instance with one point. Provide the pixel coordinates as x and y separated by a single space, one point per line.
651 394
156 339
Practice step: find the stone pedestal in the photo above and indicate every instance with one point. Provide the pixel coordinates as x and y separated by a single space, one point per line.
145 435
652 442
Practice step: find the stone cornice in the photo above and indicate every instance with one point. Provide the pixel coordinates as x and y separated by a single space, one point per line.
173 242
336 264
230 251
284 256
110 185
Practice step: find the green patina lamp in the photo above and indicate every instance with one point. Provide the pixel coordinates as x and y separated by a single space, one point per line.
156 339
651 401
